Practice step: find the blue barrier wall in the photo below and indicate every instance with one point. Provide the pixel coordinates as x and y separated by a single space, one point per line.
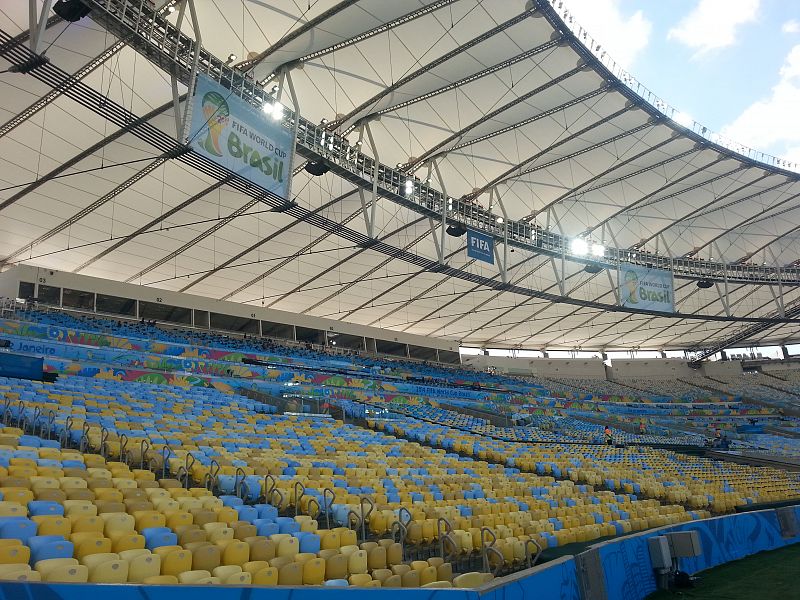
626 567
18 365
626 562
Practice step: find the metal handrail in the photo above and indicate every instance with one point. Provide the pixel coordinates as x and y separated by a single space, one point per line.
358 520
83 445
365 516
63 438
268 478
210 479
37 412
281 497
7 411
144 448
402 532
532 561
123 447
310 504
51 423
500 562
400 512
187 465
166 451
485 548
448 529
328 504
298 496
20 414
104 434
237 484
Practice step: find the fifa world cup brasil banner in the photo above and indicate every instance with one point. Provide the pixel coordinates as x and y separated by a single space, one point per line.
645 288
240 137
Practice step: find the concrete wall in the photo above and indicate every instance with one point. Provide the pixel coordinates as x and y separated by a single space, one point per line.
562 368
721 368
11 279
9 284
658 368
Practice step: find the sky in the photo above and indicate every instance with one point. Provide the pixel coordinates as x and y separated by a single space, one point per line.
732 65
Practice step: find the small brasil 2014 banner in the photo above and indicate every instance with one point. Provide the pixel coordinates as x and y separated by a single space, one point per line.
240 137
645 288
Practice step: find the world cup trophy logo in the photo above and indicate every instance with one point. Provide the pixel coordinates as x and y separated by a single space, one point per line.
217 114
632 282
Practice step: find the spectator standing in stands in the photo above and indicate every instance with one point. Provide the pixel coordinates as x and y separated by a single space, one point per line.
609 437
642 428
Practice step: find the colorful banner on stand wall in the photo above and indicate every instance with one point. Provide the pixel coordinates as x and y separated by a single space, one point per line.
644 288
250 142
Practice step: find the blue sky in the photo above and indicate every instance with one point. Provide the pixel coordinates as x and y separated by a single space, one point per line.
733 65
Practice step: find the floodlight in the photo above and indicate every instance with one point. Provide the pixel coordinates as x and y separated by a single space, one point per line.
598 250
579 247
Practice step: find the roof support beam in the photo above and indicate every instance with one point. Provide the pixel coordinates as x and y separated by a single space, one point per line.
84 154
152 223
230 262
37 22
519 169
91 208
382 28
442 148
554 41
216 227
339 263
365 108
308 26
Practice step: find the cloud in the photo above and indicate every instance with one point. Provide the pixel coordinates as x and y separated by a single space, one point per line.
792 26
771 124
713 24
622 36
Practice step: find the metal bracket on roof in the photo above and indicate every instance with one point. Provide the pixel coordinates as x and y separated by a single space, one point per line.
502 260
438 236
368 208
37 21
724 292
778 297
183 117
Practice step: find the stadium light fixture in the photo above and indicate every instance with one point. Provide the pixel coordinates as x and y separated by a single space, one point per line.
273 109
499 220
409 187
579 247
231 58
598 250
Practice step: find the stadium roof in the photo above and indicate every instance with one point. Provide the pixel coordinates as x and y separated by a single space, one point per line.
514 105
